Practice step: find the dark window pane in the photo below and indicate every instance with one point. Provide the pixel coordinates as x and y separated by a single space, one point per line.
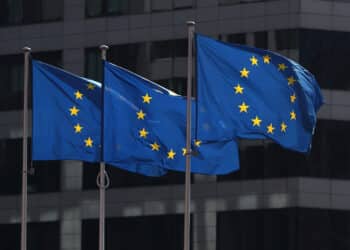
169 49
286 228
325 54
117 7
251 164
41 236
123 178
261 39
161 5
32 11
10 166
131 56
11 12
94 8
11 73
147 233
314 229
45 179
161 49
93 64
237 38
52 10
136 6
287 39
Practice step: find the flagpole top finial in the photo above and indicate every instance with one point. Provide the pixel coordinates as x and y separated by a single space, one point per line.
190 23
26 49
104 47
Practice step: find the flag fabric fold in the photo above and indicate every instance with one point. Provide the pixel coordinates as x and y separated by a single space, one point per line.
245 92
145 125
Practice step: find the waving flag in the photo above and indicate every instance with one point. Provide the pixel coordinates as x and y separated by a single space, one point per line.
252 93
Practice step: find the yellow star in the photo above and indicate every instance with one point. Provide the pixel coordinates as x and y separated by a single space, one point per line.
78 95
293 115
78 128
141 115
291 80
171 154
243 107
88 142
238 89
254 61
256 121
244 73
143 133
146 98
90 86
283 127
293 98
74 111
197 143
184 151
270 129
155 146
266 59
282 67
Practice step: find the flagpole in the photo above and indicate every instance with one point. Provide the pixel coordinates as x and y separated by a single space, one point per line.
26 51
187 221
101 181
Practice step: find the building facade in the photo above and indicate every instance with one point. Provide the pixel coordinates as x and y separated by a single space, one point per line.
277 200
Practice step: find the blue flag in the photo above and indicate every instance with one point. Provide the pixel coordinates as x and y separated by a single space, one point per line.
145 125
66 115
67 118
251 93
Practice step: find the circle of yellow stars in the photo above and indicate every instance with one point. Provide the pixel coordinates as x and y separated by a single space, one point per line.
244 107
143 133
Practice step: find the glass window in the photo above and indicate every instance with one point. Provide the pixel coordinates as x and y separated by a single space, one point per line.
325 54
11 12
286 228
161 5
15 12
261 39
96 8
32 11
51 10
130 56
117 7
130 233
287 39
169 49
45 179
41 236
11 73
237 38
93 8
93 64
251 164
123 178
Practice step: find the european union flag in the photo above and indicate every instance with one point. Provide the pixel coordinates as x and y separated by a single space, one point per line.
66 115
67 118
252 93
145 126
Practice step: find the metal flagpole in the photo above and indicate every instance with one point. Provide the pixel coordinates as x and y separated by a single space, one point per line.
190 25
26 51
101 177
